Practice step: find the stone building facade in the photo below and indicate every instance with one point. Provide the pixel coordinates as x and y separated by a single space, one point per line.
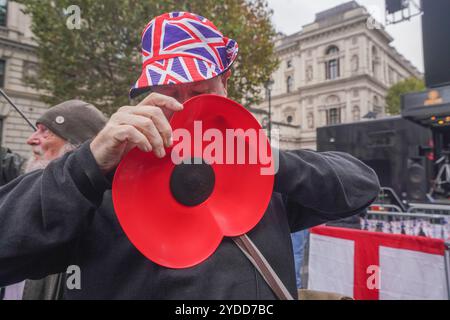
17 61
337 69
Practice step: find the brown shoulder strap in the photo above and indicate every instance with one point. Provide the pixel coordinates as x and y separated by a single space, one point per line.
262 265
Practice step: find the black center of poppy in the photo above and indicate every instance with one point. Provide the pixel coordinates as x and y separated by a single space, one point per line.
192 183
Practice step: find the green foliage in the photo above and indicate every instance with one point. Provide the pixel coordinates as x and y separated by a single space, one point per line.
101 61
393 99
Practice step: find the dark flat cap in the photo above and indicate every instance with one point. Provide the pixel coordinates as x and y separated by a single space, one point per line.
75 121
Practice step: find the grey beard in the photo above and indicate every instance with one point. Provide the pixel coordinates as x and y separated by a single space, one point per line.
33 164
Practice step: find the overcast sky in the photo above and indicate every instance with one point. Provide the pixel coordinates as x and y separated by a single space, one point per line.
290 15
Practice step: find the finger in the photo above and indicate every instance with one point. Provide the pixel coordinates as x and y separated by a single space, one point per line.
161 101
133 137
154 113
162 124
147 127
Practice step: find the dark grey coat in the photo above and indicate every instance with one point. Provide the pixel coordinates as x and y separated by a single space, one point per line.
64 215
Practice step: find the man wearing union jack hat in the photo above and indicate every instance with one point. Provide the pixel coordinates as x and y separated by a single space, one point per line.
65 214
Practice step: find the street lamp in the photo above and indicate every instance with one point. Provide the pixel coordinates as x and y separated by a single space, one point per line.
269 85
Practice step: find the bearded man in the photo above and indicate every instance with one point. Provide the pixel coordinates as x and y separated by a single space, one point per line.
61 129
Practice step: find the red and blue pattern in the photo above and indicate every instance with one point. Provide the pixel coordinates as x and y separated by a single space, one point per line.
182 47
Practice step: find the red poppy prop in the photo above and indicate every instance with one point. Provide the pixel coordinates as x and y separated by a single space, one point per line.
175 213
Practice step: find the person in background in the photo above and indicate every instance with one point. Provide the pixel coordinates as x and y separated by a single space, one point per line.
59 130
299 240
10 168
10 165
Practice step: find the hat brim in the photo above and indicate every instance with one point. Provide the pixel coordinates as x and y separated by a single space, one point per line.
182 70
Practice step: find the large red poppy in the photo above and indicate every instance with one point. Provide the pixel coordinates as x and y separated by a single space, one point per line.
177 215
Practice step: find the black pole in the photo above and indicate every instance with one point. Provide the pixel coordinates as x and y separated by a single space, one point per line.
270 115
17 109
268 86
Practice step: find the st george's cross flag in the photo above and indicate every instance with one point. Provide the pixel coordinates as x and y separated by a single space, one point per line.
377 266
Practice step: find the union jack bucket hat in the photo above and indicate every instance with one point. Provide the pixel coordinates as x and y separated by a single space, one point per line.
182 47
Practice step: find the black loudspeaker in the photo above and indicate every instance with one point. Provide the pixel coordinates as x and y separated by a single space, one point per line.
392 6
416 184
436 42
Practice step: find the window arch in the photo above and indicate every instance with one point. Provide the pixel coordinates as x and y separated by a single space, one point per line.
332 50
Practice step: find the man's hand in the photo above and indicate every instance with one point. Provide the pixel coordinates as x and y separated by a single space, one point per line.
145 126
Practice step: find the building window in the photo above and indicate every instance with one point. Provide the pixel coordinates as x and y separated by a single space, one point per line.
391 75
377 108
30 70
374 55
375 61
289 119
332 50
333 116
2 73
3 12
289 84
309 73
289 114
332 65
332 69
355 93
356 113
310 120
355 63
289 64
